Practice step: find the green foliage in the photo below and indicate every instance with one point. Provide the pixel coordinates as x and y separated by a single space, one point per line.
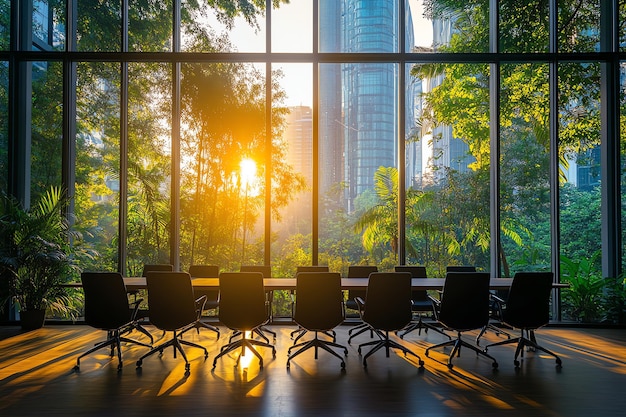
582 300
35 254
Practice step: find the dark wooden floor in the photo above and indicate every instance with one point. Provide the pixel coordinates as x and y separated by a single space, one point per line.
36 378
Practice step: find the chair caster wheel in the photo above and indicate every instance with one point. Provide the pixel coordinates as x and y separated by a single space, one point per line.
288 365
343 365
139 364
345 352
77 368
421 363
187 366
558 362
119 366
450 366
359 351
494 365
516 363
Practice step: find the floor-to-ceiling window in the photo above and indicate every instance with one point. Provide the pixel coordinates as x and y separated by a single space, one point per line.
290 133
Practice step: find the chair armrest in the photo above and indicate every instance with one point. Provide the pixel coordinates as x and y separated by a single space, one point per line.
436 304
134 306
200 303
360 303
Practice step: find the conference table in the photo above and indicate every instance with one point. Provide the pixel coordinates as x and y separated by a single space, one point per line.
137 283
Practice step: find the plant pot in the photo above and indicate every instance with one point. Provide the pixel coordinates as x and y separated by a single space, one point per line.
32 319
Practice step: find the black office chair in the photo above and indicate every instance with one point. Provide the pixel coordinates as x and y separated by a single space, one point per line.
142 314
420 304
464 306
173 308
358 271
243 308
211 296
386 307
266 270
460 268
107 308
527 308
300 331
319 308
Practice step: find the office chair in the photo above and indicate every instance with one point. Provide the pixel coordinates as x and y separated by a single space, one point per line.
527 308
319 309
173 308
107 308
420 304
243 308
386 307
464 306
358 271
300 331
211 296
266 270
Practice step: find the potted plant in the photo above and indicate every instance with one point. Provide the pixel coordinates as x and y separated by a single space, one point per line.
34 256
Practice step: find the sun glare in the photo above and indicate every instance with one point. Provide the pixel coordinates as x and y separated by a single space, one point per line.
247 169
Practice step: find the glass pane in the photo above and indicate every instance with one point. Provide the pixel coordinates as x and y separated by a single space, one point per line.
48 25
150 26
222 164
227 26
358 26
97 196
579 152
99 26
447 26
447 208
357 166
579 25
292 27
5 24
525 169
524 26
47 127
149 165
4 125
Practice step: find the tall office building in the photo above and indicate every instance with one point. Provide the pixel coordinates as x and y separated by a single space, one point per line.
358 101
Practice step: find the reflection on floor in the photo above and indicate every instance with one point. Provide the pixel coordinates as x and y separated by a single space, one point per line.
36 378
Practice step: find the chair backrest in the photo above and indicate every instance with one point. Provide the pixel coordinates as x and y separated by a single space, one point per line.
358 271
388 300
106 301
156 267
242 300
361 271
318 300
171 299
528 303
204 271
460 268
416 272
266 270
465 300
313 268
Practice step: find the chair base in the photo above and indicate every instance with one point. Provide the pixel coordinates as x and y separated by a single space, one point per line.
498 331
386 343
457 344
525 342
419 325
202 325
359 329
114 339
176 342
317 343
301 331
244 343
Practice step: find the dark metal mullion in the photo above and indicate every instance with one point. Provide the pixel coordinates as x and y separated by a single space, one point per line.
175 139
610 142
553 87
494 140
68 165
401 136
123 206
268 133
315 144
